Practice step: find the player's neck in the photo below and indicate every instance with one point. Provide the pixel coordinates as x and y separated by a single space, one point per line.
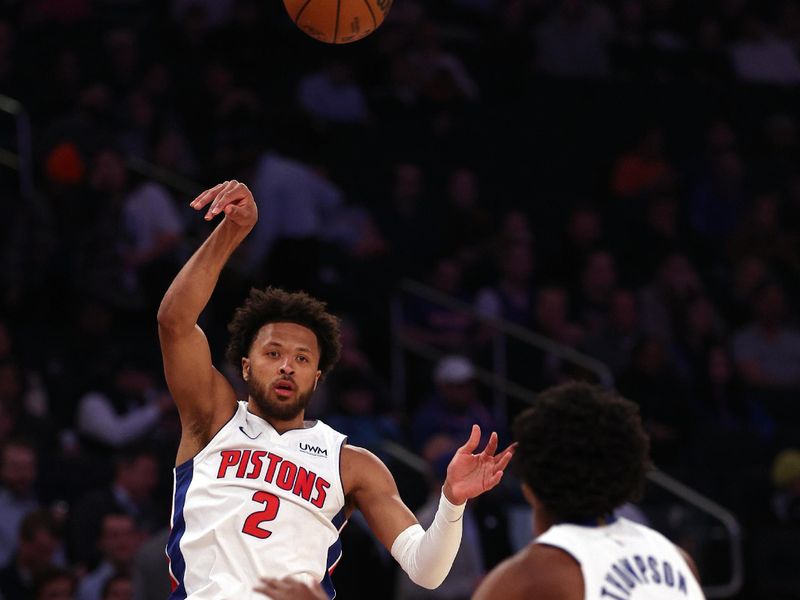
279 425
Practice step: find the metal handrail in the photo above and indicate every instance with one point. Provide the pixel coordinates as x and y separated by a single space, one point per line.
507 328
728 521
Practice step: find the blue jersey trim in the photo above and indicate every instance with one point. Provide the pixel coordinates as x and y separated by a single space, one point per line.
334 554
183 478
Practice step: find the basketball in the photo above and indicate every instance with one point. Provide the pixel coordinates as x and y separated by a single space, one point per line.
338 21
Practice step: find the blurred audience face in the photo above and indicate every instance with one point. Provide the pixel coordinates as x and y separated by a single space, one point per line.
678 277
651 357
60 588
447 276
516 228
407 184
121 588
18 469
720 367
139 478
357 401
109 173
624 313
551 310
750 272
462 189
119 539
37 552
517 264
459 396
584 228
701 318
599 274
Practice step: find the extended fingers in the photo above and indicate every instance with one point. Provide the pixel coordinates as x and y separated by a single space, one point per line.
224 196
505 458
491 446
207 196
472 442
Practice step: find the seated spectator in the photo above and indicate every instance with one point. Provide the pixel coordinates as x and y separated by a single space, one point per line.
614 343
118 542
676 284
445 420
54 584
18 473
131 493
119 587
333 94
125 410
598 280
767 351
644 169
37 545
513 297
431 323
763 57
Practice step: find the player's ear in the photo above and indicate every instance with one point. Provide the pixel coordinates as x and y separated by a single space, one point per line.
245 368
316 378
530 497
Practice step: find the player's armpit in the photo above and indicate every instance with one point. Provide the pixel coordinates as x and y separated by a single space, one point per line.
204 398
370 487
538 571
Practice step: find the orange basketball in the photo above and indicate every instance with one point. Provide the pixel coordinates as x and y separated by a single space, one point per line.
338 21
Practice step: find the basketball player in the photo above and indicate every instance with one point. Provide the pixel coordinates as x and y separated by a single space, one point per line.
258 490
582 453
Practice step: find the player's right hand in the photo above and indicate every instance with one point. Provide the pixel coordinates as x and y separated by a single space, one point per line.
231 198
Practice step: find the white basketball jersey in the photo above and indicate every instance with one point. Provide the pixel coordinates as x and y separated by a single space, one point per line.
625 561
256 503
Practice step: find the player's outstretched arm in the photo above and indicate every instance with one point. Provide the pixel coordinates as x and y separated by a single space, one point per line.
202 394
425 555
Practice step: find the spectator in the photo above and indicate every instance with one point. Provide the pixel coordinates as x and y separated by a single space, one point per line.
333 94
119 587
767 351
448 415
613 345
597 283
573 41
131 493
54 584
37 545
118 542
18 473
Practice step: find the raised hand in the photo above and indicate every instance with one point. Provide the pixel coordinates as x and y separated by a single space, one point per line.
290 589
231 198
470 475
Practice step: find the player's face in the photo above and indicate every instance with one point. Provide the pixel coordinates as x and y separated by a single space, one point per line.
282 369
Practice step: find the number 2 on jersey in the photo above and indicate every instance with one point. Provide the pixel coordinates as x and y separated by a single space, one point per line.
271 505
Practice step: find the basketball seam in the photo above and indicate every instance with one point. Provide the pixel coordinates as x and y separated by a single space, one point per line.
336 28
371 14
300 12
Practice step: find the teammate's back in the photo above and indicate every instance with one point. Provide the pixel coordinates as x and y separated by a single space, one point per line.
625 560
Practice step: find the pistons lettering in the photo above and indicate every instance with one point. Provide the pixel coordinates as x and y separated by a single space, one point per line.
274 469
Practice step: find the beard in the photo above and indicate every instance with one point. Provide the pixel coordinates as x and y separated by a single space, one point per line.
281 410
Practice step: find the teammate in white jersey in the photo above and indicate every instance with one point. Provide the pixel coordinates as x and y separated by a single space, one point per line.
260 492
582 453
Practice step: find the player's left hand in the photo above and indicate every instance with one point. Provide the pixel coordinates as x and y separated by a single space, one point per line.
470 475
289 588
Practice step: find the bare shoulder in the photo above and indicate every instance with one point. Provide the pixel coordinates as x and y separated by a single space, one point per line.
537 571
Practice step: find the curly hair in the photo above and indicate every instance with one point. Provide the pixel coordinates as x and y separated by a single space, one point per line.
274 305
582 450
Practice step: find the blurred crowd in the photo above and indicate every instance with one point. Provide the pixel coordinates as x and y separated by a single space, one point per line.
621 177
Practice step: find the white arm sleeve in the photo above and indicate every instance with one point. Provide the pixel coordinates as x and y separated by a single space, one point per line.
428 555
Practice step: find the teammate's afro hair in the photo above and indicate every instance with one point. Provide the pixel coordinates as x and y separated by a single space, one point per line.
582 450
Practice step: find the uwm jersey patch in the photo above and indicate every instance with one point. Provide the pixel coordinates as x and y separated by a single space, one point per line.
256 503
